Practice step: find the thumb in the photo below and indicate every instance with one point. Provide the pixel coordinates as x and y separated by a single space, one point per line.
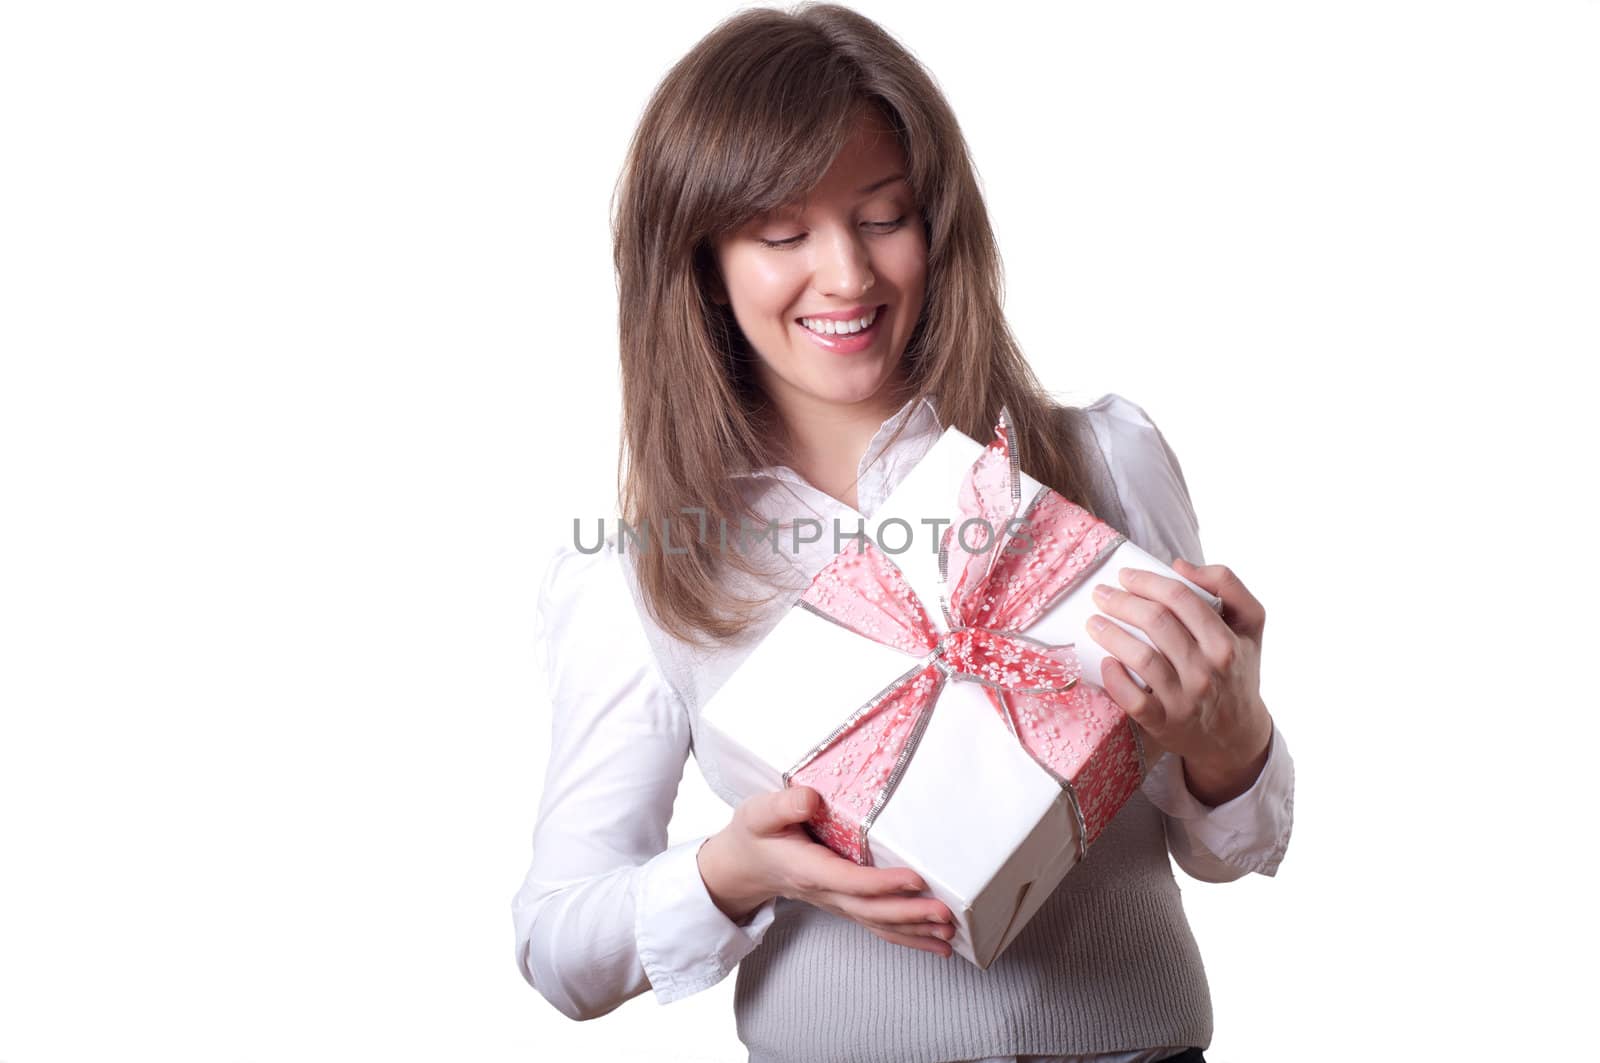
798 803
772 812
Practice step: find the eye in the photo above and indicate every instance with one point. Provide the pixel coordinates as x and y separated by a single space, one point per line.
880 226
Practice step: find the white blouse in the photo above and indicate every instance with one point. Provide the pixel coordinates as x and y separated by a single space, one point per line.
608 910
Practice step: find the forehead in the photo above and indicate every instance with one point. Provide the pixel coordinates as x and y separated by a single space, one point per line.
870 153
868 163
847 184
874 185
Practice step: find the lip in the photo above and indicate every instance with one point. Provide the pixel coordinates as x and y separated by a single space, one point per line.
840 315
855 341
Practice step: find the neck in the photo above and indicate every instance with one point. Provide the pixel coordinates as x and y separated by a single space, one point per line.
826 440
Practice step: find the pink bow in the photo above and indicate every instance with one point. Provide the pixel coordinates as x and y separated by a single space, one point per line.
1071 728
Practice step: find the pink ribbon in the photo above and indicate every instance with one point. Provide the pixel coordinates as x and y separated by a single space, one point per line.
1071 728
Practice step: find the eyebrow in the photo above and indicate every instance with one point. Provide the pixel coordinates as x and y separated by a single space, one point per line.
879 183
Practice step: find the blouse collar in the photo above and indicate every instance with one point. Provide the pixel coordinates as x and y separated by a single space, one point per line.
782 494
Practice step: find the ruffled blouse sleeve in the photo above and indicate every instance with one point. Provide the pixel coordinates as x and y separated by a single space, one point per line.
608 909
1250 832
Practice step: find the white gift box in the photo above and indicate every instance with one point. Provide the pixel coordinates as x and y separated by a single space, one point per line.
987 828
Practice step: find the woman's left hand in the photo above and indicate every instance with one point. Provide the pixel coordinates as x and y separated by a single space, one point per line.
1204 702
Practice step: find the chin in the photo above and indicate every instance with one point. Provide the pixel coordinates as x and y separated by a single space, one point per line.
859 386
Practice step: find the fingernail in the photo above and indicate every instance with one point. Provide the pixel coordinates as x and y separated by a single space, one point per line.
1096 622
1101 592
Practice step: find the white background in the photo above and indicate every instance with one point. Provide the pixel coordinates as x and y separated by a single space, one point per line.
306 313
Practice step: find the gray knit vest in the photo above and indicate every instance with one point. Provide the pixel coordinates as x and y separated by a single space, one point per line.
1109 962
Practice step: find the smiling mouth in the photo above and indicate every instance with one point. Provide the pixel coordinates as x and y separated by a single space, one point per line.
871 317
850 343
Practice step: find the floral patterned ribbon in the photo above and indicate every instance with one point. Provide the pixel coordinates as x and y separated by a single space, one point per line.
1071 728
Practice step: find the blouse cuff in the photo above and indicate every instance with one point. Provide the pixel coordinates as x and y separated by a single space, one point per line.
686 943
1249 832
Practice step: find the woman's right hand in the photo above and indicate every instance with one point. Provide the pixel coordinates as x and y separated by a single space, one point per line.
765 852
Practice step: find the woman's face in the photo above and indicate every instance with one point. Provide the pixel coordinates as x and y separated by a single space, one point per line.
855 246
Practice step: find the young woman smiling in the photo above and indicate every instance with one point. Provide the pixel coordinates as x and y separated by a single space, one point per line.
809 295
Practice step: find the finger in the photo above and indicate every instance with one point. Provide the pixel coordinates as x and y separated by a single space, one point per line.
1170 614
1219 644
912 941
1198 618
1135 653
820 868
1241 610
1151 743
1193 638
1141 705
887 911
936 931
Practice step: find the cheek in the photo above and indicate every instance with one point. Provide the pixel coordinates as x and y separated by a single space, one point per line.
904 261
762 287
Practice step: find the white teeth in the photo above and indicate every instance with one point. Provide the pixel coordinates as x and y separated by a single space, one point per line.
825 327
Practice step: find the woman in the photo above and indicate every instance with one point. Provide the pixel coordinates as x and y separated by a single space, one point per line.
809 295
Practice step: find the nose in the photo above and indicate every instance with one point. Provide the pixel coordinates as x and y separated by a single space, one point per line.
846 268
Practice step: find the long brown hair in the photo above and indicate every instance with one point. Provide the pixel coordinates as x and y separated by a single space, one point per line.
748 121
